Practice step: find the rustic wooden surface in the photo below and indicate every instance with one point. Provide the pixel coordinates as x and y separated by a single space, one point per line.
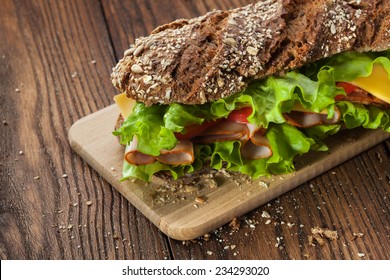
56 57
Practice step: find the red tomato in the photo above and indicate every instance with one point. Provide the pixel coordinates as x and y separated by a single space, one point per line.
240 115
195 130
348 88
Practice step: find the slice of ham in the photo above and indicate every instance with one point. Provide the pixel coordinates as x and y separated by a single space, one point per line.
254 143
257 146
223 131
182 153
305 119
252 151
133 156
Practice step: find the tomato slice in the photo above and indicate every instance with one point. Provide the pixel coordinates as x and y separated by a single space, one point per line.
194 130
240 115
348 88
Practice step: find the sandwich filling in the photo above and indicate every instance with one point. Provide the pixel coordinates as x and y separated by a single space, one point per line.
260 130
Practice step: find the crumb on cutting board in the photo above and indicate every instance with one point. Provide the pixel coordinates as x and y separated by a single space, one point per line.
319 235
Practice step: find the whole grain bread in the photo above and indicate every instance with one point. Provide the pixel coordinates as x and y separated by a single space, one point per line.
216 55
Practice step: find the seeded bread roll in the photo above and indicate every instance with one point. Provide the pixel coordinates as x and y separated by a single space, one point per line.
216 55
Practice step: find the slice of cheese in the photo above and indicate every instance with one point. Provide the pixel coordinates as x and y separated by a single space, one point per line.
378 83
125 104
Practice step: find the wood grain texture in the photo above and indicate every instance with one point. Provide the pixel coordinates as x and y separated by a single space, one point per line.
49 55
43 45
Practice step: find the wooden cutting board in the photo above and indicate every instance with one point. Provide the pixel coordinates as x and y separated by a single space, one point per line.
185 210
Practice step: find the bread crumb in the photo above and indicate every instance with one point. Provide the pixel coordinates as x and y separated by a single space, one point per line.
278 242
330 234
200 199
357 235
206 237
290 225
319 234
209 253
264 184
361 255
235 224
265 214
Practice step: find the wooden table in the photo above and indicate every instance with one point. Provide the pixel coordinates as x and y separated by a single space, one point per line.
56 57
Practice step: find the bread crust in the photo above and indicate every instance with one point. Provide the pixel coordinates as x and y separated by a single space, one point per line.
216 55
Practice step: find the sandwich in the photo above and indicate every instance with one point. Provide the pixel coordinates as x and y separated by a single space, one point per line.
249 89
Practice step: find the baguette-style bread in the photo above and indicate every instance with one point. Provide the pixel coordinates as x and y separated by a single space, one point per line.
216 55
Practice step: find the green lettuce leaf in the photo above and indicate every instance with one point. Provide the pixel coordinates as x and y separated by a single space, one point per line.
286 142
145 172
349 65
147 124
178 116
355 115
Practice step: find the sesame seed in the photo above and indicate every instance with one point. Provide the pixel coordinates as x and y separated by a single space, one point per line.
168 93
135 68
230 41
332 28
138 50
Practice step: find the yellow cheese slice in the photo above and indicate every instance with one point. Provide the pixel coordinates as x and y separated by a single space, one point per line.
125 104
378 83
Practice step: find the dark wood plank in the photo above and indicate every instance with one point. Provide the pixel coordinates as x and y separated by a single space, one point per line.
56 57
